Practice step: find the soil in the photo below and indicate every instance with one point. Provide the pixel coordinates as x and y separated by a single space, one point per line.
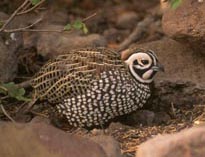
105 24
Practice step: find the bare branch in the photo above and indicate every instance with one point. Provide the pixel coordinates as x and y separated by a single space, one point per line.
89 17
22 28
32 8
26 7
13 15
27 28
32 30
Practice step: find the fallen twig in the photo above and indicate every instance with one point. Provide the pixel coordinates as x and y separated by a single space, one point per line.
3 88
6 114
138 32
39 114
173 109
24 84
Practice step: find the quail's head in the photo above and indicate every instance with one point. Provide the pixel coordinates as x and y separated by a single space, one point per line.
143 65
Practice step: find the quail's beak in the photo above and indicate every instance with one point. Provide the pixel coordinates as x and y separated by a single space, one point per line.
158 67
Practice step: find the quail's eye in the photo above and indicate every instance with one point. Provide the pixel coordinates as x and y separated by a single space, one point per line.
145 62
135 62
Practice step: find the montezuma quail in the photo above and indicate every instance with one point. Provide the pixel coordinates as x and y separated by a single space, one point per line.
92 86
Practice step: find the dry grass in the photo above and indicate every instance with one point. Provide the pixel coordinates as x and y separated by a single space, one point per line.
133 137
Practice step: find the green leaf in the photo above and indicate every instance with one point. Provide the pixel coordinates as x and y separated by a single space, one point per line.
34 2
85 29
77 25
175 3
67 27
14 91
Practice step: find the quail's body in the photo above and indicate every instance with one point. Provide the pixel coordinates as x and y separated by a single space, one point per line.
114 94
90 86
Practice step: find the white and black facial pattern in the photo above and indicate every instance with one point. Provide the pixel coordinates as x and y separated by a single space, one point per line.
143 66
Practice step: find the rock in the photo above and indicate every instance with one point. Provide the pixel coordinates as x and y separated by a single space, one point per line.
22 21
164 5
155 31
127 20
186 24
41 139
161 117
30 39
109 144
51 19
52 44
9 44
117 126
14 40
8 63
10 7
183 81
187 143
113 35
54 16
3 16
145 6
144 117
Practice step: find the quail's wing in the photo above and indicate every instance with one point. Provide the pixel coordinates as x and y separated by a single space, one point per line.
72 74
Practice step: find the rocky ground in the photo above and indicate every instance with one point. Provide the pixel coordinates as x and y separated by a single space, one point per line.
178 100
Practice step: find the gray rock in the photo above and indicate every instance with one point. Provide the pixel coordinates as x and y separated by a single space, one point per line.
3 16
113 35
9 44
52 19
8 63
144 117
186 24
161 117
109 145
22 21
116 126
187 143
54 16
144 5
127 20
40 139
52 44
